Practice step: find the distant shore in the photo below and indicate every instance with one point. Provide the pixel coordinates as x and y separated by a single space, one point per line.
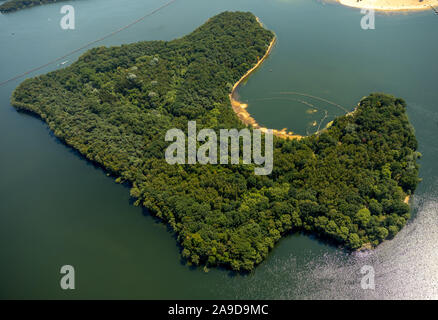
391 5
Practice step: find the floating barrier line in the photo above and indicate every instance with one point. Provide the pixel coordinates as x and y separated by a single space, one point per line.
315 97
305 103
322 120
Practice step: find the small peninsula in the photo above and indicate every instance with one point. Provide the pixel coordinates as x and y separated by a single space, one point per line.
15 5
346 184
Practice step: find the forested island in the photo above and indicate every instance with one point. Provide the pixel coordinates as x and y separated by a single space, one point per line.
15 5
347 184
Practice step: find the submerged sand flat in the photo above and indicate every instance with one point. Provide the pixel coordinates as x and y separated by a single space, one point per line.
392 5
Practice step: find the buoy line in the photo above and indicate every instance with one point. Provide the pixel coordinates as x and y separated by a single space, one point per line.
307 104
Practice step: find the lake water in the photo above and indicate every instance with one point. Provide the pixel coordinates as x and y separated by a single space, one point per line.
56 208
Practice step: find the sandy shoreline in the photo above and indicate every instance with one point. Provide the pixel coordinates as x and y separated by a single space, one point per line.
391 5
240 108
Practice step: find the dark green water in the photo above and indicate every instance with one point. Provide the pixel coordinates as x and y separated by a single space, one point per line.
58 209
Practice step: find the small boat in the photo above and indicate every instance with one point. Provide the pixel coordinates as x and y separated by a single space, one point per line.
63 63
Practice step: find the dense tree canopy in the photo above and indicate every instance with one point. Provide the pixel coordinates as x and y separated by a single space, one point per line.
115 105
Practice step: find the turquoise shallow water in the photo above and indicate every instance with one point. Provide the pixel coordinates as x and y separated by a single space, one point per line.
57 209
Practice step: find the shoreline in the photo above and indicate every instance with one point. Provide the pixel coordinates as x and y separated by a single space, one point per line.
368 246
245 117
240 108
391 5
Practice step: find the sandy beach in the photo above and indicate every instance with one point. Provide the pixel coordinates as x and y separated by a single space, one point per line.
392 5
240 108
